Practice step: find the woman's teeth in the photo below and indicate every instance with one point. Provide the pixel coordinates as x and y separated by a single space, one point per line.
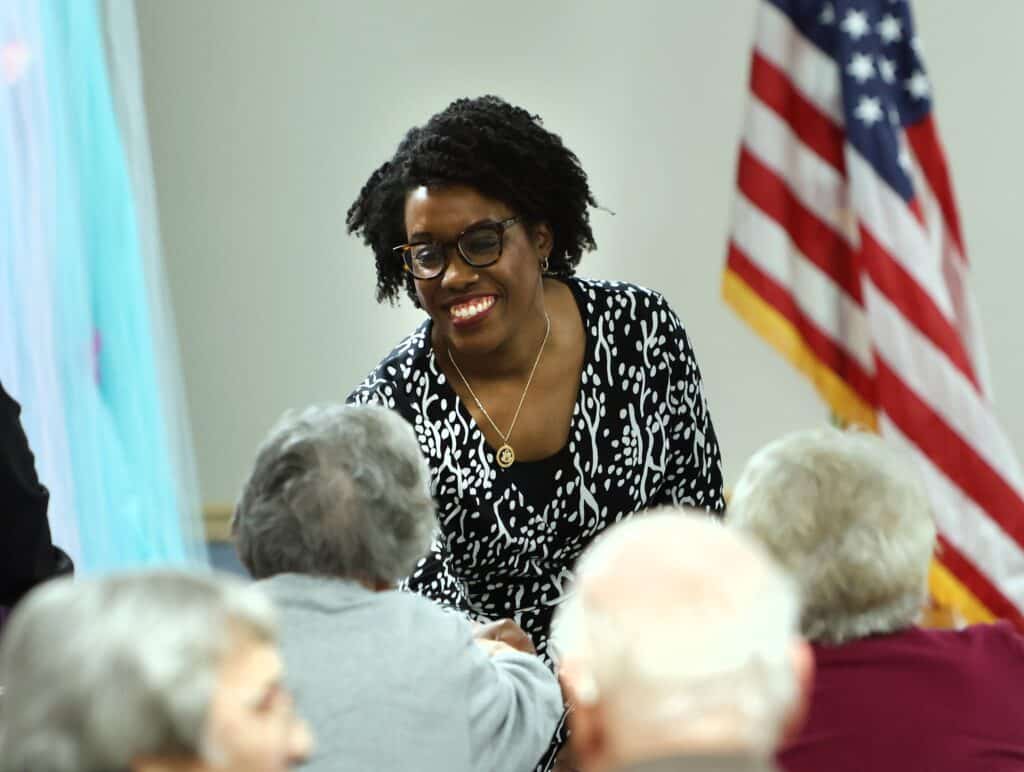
473 308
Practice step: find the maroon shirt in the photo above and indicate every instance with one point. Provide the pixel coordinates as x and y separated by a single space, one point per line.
916 701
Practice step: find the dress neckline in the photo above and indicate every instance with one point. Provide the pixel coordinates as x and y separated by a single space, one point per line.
445 386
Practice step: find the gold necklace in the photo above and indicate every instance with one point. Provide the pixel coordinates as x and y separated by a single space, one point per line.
505 456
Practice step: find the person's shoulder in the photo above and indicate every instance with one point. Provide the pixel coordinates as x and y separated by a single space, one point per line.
992 651
997 636
446 631
622 308
988 641
620 292
618 298
383 385
428 613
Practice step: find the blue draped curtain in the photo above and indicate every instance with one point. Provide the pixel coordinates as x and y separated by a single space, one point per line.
85 343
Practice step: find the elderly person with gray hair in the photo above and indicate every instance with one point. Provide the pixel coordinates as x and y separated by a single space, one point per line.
670 666
148 672
849 518
337 510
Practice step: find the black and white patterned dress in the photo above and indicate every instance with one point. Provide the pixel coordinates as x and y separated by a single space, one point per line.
640 437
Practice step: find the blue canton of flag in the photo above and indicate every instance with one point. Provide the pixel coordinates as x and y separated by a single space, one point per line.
884 85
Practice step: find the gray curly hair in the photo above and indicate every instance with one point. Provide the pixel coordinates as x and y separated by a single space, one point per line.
337 491
847 514
100 671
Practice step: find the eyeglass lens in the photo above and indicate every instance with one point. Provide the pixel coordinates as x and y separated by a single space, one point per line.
479 247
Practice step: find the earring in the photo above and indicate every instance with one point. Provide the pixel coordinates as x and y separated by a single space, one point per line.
544 264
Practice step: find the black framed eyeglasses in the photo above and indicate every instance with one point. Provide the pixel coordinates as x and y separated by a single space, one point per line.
479 246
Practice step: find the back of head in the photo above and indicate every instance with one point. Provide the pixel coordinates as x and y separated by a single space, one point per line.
99 672
848 516
679 624
336 491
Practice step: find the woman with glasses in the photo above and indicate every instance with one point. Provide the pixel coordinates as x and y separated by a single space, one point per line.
548 406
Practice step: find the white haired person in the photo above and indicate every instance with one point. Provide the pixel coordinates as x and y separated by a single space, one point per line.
337 509
848 516
147 672
672 664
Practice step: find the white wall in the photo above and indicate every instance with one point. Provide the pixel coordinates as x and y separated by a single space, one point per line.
267 117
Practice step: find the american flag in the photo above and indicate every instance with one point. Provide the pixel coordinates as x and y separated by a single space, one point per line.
846 254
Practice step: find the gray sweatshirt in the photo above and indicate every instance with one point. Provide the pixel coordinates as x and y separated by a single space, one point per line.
390 681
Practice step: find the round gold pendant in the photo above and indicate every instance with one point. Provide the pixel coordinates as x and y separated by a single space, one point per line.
505 456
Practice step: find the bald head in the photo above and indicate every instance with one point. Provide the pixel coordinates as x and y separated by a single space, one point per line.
676 621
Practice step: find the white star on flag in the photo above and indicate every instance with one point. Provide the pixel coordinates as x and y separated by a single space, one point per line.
904 159
887 69
890 29
894 116
918 85
828 14
856 24
869 110
861 68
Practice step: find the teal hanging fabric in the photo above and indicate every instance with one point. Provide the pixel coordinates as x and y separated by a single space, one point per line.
124 492
29 363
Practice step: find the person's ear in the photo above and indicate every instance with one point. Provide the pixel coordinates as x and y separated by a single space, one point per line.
803 666
543 239
587 736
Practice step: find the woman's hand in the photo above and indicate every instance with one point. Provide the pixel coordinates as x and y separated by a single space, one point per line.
507 632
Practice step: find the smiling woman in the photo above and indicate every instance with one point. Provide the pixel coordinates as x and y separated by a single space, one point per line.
548 406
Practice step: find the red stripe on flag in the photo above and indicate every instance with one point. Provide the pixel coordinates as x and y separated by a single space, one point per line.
974 580
914 205
774 88
828 352
814 238
948 451
923 137
914 303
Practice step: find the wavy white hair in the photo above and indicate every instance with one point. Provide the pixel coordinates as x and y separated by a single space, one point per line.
848 516
98 672
677 619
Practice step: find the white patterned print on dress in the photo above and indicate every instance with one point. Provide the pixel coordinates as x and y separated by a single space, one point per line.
640 437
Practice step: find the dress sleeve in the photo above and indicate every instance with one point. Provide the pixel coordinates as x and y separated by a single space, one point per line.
694 476
372 391
431 579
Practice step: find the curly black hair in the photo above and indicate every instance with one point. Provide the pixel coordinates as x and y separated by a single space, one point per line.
500 150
